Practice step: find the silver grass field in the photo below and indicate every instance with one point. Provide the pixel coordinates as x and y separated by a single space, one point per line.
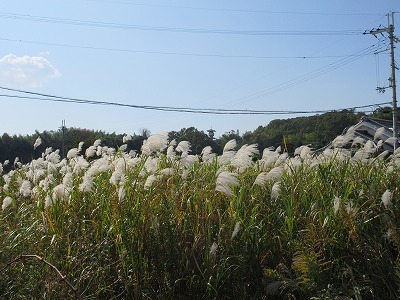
250 223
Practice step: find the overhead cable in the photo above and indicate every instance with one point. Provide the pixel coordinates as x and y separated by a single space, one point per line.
172 29
236 10
313 74
169 53
53 98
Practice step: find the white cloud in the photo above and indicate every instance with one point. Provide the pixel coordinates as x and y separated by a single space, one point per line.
26 71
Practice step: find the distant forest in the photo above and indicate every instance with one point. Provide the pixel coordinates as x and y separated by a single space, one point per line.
316 131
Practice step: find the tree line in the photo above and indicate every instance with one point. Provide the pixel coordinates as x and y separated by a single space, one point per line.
316 131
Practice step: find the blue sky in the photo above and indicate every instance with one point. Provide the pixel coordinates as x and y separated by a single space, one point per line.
152 53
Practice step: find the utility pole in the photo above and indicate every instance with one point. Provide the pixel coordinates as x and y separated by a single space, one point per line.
63 139
392 79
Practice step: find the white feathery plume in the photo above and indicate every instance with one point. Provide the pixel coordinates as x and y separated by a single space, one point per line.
99 150
349 136
123 147
171 149
126 138
68 180
30 173
361 155
80 145
342 154
396 161
97 143
1 168
7 177
149 181
119 171
338 142
228 152
225 181
72 153
48 151
379 144
336 204
167 172
25 188
133 161
109 151
275 173
235 230
155 143
391 141
46 182
59 192
298 150
325 156
207 154
132 153
80 164
121 193
383 155
171 152
358 141
54 157
267 152
261 179
91 151
305 152
62 167
6 202
226 157
281 159
6 162
87 183
172 143
397 152
379 133
275 191
387 198
269 158
292 164
48 201
151 164
189 160
183 147
37 143
213 251
230 146
244 157
100 165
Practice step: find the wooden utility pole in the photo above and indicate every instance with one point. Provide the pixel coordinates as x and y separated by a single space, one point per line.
392 80
63 139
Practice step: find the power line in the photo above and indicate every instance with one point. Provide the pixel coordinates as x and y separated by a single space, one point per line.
53 98
173 29
313 74
236 10
168 53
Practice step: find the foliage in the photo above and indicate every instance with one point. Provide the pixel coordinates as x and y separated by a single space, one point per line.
165 224
316 131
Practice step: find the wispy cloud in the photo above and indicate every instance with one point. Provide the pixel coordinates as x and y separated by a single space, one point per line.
26 71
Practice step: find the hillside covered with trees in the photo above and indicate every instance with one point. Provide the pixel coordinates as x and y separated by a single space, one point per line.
316 131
